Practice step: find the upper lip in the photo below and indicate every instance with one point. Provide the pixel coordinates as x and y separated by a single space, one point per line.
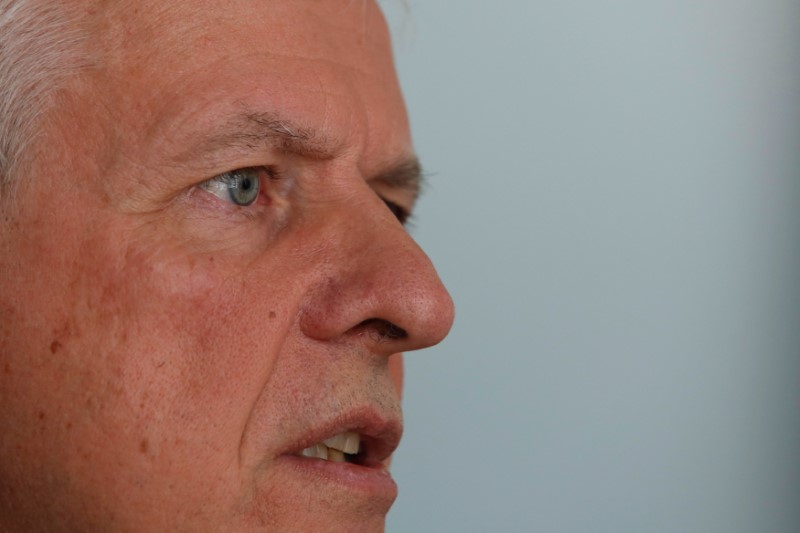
380 434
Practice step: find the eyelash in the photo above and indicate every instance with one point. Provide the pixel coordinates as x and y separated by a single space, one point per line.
223 185
398 211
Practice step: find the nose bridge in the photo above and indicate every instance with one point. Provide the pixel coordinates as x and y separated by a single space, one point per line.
375 272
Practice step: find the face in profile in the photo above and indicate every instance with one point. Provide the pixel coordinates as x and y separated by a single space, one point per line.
206 278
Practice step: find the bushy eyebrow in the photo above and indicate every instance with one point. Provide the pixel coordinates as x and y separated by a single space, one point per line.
405 174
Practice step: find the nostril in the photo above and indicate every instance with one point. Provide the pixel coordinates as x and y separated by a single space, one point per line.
382 330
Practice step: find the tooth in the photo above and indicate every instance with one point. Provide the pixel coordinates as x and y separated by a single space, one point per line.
335 456
351 445
331 449
317 451
347 442
336 441
321 451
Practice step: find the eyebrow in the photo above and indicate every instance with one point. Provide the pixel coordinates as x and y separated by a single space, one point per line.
405 174
251 130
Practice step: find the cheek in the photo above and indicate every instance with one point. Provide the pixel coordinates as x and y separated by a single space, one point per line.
169 348
200 333
174 350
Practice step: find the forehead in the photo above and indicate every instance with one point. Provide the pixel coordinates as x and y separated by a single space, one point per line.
332 30
323 65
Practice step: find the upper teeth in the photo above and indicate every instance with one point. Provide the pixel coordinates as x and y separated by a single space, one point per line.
334 448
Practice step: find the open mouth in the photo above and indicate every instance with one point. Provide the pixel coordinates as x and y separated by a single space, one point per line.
351 453
341 448
363 438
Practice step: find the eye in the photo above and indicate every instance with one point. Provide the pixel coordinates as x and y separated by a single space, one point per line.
239 186
398 211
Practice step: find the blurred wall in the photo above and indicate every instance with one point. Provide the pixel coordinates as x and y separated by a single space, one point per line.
614 203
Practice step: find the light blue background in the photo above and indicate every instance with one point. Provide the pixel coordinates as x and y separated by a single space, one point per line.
615 207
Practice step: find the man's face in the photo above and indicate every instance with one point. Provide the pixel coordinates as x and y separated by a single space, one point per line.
173 337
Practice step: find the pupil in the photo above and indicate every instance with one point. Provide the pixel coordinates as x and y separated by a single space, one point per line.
242 187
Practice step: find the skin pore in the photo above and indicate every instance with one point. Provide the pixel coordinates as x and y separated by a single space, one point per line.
165 354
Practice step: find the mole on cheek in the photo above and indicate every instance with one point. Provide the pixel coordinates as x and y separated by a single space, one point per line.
60 336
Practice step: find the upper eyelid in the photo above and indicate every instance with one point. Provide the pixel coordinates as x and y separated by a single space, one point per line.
406 213
274 173
218 179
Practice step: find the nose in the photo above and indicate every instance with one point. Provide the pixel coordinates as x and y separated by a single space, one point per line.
375 285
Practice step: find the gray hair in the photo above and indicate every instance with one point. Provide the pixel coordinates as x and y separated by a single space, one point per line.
40 47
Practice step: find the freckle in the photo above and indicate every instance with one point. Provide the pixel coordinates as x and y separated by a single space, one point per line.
55 346
143 446
69 425
41 415
141 405
7 368
211 259
272 314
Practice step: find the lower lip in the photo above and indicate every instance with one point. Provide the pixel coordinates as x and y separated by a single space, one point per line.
374 482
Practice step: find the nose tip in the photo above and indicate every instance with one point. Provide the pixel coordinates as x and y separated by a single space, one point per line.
377 281
429 307
415 300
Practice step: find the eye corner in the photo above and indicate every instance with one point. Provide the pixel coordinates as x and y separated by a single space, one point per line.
401 213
